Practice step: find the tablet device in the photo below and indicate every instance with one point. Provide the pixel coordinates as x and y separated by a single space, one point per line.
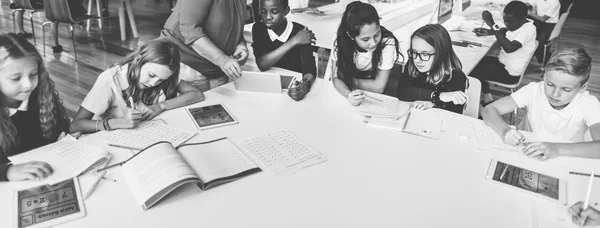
48 205
211 116
527 181
262 82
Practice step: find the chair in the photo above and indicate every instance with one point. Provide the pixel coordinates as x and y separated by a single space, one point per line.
98 11
58 11
27 5
474 91
556 31
513 87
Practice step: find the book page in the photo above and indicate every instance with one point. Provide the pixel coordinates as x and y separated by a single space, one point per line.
383 106
282 152
155 170
68 157
216 159
489 140
394 124
147 134
423 123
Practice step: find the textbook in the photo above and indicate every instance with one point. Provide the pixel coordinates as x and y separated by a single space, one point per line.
68 157
161 168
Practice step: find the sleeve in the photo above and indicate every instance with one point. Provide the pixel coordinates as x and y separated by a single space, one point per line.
526 35
524 95
458 83
389 55
307 60
552 10
406 91
592 107
259 37
101 96
191 19
3 172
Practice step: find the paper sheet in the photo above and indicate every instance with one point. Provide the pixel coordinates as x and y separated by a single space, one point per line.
147 134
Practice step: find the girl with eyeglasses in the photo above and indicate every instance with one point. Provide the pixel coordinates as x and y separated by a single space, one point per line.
433 72
364 53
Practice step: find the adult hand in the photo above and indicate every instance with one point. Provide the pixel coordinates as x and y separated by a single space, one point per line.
541 150
241 54
299 90
229 66
355 97
456 97
488 18
422 105
33 170
513 137
149 112
131 119
590 215
303 37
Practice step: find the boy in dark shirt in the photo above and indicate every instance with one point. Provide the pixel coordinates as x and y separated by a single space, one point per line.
278 42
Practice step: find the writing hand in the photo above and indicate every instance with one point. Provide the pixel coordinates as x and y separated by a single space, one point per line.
513 137
149 112
299 90
590 215
356 97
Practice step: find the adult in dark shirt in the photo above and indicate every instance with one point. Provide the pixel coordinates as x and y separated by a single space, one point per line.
433 72
31 112
279 42
209 34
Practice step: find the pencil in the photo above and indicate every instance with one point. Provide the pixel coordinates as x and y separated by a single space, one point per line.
131 103
504 171
582 174
124 147
587 195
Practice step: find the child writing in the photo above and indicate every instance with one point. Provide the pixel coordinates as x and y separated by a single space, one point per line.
138 88
282 43
559 109
517 42
364 53
31 112
433 72
588 217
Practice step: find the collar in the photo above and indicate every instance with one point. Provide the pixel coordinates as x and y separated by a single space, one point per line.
567 111
285 35
23 107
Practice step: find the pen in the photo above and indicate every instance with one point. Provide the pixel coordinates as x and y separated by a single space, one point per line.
131 102
582 174
504 171
587 195
124 147
110 166
94 185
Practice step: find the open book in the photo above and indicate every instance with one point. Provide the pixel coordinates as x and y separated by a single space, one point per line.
382 106
160 168
68 157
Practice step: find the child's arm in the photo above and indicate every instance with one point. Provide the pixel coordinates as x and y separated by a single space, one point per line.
376 85
269 59
355 97
545 150
509 46
492 116
188 95
83 121
309 70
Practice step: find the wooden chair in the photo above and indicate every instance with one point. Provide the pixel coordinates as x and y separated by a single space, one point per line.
58 11
556 31
513 87
474 91
27 5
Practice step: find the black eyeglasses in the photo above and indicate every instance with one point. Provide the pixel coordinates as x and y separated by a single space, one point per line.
422 56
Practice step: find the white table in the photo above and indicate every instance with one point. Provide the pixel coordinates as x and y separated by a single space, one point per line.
374 177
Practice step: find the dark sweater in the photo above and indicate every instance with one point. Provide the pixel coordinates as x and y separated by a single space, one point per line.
29 133
411 89
299 59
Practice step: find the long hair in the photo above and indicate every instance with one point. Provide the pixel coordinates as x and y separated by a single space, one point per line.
356 15
573 61
444 60
44 98
160 51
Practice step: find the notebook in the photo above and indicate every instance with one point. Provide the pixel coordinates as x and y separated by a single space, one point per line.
263 82
161 168
146 134
423 123
68 157
282 152
382 106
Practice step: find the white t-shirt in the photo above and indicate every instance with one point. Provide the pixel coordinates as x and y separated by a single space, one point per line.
566 125
105 99
363 59
550 8
516 61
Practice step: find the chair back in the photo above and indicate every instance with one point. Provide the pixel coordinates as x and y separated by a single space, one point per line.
559 25
29 4
474 91
58 11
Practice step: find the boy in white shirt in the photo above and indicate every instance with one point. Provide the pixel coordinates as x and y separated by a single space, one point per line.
517 42
559 110
544 14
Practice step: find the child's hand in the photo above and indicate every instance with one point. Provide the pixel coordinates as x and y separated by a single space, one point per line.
513 137
422 105
591 215
482 31
488 18
456 97
149 112
303 37
299 90
33 170
540 150
131 119
356 97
